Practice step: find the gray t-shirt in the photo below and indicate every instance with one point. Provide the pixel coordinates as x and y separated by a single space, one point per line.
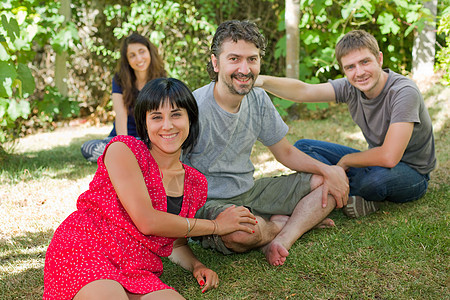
399 101
222 152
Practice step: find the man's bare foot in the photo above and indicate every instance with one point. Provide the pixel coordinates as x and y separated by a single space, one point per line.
325 223
275 253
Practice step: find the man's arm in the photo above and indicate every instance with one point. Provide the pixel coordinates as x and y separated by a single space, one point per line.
387 155
296 90
335 179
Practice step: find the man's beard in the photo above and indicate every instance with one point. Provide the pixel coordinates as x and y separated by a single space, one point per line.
244 90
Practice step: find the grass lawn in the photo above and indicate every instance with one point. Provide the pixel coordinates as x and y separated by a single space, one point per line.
400 252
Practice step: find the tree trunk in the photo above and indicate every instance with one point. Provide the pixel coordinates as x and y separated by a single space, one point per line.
292 17
61 59
424 47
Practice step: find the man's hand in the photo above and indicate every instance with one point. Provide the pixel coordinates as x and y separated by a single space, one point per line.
336 184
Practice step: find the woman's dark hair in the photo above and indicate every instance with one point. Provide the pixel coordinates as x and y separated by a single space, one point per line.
235 31
125 76
154 94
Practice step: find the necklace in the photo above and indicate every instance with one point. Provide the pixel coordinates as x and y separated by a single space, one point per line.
173 181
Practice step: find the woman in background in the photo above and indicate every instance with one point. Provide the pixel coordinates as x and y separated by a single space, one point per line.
139 63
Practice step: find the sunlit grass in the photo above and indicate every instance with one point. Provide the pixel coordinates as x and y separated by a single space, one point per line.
400 252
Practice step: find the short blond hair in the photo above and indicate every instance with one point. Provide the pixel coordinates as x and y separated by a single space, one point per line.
355 40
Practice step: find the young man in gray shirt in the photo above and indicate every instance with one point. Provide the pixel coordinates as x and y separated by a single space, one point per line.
233 116
393 118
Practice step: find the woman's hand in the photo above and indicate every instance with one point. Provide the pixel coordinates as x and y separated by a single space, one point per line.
233 219
206 278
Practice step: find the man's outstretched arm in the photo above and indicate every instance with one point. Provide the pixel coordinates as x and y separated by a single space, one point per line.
296 90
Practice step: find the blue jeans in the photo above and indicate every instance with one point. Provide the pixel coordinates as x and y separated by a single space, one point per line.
398 184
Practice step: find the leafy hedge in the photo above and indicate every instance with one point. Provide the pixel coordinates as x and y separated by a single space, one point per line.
32 32
443 54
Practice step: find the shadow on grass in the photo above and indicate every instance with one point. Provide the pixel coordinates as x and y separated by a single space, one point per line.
28 284
22 246
60 162
22 265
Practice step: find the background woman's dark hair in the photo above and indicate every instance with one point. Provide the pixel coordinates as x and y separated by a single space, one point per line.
235 30
154 94
125 76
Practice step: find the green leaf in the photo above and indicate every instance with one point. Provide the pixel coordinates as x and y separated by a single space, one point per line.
388 24
32 30
304 70
61 42
3 107
69 108
346 11
11 27
304 20
410 28
282 105
282 25
368 6
28 84
280 48
319 6
18 109
7 76
313 80
311 38
412 16
3 53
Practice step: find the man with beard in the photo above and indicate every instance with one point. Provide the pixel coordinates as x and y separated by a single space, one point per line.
233 115
393 118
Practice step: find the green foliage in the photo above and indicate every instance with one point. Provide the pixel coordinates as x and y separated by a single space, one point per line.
443 55
323 22
16 81
24 25
32 31
180 29
282 106
64 38
54 105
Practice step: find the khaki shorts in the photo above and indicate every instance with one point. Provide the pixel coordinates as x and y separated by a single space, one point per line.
269 196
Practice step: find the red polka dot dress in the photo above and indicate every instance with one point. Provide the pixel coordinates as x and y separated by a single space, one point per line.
100 241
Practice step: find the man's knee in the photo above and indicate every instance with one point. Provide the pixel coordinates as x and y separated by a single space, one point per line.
302 145
316 181
240 241
373 184
389 188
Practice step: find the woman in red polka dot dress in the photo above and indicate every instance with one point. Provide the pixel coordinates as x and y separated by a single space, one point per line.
139 206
